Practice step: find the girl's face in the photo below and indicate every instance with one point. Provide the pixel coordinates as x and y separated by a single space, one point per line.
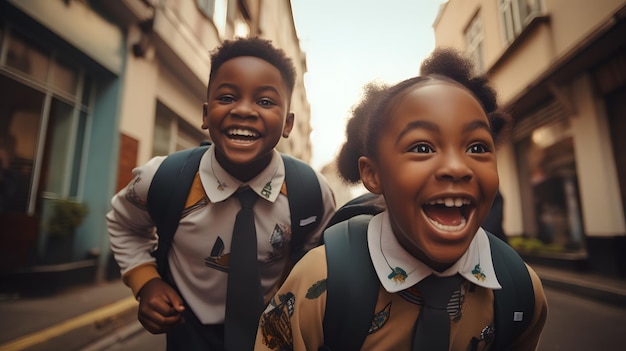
436 167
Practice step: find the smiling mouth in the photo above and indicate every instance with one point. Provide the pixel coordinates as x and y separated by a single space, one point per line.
448 214
243 135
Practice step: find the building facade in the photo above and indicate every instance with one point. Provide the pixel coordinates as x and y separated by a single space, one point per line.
93 88
560 69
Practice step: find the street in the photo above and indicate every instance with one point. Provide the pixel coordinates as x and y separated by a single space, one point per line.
574 323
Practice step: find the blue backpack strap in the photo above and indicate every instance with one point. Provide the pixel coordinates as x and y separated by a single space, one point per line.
305 202
514 304
167 196
351 287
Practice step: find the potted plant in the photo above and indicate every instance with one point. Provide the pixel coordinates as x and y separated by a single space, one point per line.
66 216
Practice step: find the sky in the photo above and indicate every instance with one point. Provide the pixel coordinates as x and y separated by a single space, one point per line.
349 43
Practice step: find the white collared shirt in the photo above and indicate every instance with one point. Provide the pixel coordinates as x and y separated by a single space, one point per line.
199 254
475 265
214 178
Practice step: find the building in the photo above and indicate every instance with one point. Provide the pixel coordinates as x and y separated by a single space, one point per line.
92 89
560 69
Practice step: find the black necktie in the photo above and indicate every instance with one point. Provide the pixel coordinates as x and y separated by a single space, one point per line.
244 301
432 332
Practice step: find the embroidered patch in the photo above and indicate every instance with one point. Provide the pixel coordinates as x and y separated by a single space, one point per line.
132 197
275 325
217 259
279 238
397 275
380 319
488 333
267 190
316 289
478 273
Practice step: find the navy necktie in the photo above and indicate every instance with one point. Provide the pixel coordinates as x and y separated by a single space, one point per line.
432 332
244 300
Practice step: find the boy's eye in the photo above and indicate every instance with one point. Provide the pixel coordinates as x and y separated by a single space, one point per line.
226 98
477 149
422 149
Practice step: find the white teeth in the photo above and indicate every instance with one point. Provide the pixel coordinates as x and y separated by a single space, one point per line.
450 202
243 132
449 228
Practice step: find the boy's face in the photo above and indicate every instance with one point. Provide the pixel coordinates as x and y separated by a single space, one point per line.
436 166
247 111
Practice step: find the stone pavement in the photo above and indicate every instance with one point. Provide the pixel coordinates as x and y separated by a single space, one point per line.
91 317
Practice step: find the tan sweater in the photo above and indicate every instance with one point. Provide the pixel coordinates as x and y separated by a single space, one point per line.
294 318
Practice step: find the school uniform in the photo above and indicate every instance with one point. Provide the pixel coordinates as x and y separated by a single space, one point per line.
293 320
199 254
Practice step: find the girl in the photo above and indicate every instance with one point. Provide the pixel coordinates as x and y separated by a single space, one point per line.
428 147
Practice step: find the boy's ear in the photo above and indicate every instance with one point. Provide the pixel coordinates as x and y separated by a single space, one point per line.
288 124
369 175
205 116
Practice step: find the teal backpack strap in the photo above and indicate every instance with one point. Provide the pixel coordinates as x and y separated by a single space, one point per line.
514 304
167 196
351 287
305 202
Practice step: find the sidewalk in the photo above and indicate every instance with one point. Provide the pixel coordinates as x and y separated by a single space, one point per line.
81 316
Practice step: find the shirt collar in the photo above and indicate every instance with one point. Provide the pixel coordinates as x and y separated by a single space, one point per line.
219 185
475 265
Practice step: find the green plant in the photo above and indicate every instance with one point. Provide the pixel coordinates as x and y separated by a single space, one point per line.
66 216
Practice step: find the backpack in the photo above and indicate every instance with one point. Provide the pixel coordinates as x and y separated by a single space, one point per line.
170 187
349 314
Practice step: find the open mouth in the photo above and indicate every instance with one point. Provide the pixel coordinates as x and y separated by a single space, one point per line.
243 135
448 214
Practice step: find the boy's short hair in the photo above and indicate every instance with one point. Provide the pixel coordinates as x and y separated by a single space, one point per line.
255 47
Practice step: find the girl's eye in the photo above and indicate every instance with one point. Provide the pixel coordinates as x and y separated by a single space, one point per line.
422 149
266 102
477 149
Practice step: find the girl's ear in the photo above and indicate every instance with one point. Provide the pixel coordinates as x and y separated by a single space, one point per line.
205 116
369 175
288 124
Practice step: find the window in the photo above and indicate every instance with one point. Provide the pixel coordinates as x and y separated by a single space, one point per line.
216 11
549 186
172 133
207 7
474 39
43 130
515 15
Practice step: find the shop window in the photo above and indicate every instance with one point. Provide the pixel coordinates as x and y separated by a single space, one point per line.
549 183
27 58
43 125
19 127
64 77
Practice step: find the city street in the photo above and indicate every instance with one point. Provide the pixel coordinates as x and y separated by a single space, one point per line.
574 324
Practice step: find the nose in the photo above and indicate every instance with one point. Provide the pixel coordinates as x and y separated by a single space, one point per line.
454 167
244 109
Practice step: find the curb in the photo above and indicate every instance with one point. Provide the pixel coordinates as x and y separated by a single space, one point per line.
602 294
79 331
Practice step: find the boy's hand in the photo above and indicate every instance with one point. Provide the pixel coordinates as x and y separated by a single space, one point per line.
160 307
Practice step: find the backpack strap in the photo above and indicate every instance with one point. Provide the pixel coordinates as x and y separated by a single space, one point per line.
514 304
305 202
351 287
367 203
167 196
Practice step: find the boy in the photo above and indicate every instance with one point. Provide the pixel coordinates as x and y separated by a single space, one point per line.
246 113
